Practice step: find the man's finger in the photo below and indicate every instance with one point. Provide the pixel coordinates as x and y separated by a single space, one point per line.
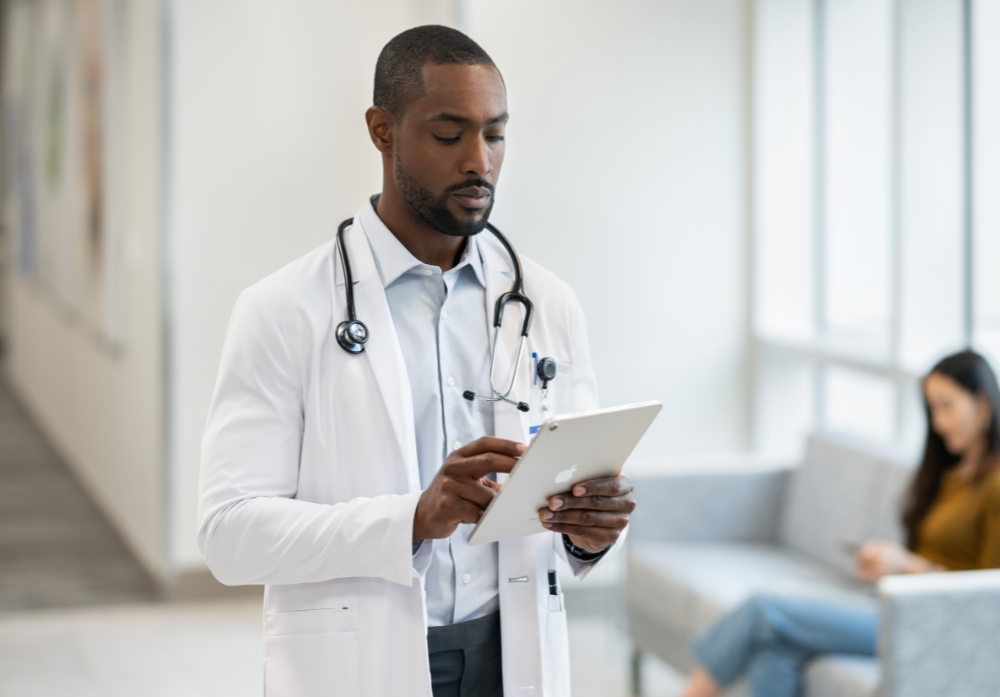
480 465
561 502
466 511
474 491
606 486
491 444
485 481
585 518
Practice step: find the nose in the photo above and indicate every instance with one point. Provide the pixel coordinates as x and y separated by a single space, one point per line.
476 158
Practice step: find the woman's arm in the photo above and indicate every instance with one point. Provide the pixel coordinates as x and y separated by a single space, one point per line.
989 550
880 558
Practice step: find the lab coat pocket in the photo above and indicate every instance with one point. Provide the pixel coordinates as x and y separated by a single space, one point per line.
557 603
314 621
563 369
311 664
555 650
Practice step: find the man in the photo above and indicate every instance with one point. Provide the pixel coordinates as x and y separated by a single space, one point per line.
348 482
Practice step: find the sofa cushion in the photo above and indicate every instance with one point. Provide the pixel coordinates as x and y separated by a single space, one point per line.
741 502
841 676
885 522
830 499
688 586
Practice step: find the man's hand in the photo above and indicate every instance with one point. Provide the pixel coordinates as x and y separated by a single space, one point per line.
593 514
460 490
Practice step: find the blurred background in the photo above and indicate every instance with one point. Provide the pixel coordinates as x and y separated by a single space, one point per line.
778 214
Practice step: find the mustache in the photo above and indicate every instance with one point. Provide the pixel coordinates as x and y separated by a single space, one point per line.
471 182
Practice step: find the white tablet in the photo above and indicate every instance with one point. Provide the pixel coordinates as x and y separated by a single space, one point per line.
567 450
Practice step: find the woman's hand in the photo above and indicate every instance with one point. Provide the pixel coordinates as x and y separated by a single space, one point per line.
880 558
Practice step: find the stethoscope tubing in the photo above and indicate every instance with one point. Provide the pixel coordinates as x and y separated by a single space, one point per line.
346 264
498 395
352 334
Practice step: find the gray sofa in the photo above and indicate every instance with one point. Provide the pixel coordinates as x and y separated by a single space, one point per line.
704 539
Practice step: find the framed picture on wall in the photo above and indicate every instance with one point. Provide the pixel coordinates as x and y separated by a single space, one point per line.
62 161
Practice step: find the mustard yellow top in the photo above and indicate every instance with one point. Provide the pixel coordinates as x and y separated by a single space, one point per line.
962 530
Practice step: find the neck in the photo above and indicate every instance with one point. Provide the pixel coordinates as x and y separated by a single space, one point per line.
420 239
972 460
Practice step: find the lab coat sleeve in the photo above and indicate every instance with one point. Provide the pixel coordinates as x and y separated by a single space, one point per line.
584 397
251 528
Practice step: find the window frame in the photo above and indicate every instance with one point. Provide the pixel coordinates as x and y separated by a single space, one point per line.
822 352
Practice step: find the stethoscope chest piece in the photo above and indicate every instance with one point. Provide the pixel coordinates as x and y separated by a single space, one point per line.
351 335
352 332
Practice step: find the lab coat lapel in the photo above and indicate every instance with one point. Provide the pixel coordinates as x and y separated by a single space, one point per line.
382 351
519 616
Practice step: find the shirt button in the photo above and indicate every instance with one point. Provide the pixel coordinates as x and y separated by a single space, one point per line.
451 381
444 314
456 445
427 272
466 578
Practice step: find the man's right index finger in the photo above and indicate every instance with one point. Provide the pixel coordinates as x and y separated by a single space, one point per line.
482 465
492 444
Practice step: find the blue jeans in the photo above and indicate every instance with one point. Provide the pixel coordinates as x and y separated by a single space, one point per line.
770 638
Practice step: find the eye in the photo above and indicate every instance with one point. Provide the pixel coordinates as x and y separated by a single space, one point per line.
446 141
494 139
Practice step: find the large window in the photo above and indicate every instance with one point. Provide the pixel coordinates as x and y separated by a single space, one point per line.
876 219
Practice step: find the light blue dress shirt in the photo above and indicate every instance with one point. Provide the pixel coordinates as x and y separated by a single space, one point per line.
444 333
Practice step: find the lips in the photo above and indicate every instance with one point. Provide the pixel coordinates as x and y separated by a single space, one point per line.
472 196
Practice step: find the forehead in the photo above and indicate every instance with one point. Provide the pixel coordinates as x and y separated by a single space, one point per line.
943 386
474 92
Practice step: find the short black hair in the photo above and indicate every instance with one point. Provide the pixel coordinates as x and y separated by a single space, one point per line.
399 69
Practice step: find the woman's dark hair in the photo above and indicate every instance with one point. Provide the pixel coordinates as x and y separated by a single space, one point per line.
973 373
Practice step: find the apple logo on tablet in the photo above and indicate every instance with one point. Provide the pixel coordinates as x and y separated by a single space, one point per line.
565 475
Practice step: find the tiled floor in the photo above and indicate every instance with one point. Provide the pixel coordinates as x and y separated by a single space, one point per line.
153 650
214 650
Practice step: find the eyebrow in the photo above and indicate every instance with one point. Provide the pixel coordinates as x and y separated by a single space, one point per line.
455 118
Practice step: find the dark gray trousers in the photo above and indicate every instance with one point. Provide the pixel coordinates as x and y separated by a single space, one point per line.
465 658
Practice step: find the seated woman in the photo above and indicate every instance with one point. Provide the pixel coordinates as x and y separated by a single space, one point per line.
951 516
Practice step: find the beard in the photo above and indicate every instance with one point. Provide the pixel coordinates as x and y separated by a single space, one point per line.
434 209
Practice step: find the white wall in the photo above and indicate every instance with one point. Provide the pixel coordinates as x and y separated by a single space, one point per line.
103 410
270 154
625 175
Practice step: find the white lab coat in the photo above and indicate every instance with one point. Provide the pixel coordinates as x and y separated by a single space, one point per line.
309 481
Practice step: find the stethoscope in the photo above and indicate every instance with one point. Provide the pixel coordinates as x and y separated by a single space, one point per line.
352 334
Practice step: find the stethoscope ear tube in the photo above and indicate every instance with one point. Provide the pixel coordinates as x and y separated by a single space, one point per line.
522 299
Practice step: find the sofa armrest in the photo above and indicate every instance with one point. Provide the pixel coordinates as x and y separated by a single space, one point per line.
938 634
739 500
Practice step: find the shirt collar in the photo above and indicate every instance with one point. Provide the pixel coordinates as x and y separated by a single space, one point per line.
393 260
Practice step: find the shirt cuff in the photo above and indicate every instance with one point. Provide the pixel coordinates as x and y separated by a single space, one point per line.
582 554
422 557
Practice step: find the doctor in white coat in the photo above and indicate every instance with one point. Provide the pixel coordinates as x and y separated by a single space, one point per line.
347 481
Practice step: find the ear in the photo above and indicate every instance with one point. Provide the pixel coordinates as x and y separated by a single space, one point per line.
381 128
